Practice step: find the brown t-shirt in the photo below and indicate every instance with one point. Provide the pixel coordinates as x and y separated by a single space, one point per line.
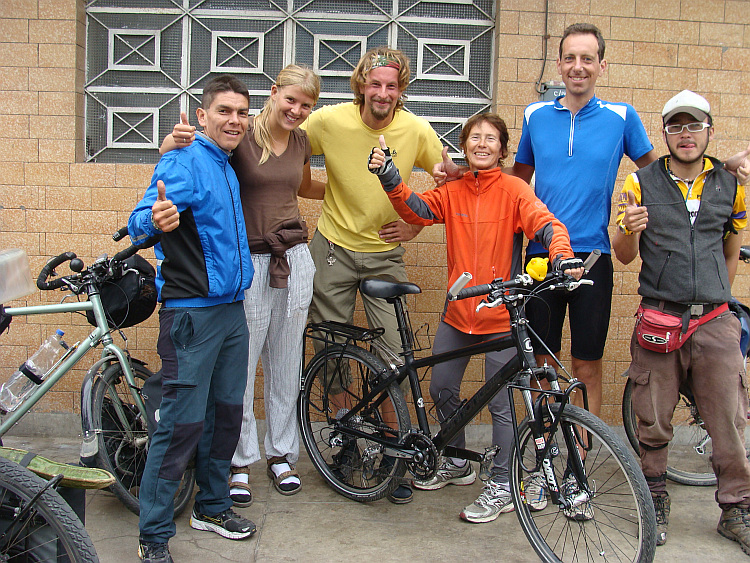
269 191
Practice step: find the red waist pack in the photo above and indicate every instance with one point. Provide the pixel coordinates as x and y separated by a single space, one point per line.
660 331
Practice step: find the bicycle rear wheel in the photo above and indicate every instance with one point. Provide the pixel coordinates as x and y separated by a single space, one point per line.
123 437
690 448
353 465
37 529
619 525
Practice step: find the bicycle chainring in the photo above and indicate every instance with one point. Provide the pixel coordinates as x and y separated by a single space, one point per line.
424 464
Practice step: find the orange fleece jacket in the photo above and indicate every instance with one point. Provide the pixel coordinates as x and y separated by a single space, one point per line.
484 215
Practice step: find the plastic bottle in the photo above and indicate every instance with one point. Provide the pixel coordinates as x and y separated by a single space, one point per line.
32 372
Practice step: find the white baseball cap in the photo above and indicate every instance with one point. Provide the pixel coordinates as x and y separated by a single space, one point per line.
687 102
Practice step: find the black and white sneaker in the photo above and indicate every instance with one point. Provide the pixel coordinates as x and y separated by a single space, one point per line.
228 524
150 552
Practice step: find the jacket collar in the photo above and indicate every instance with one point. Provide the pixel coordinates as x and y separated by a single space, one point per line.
482 179
590 105
213 149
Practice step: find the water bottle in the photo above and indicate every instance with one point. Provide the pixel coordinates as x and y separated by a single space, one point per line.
32 372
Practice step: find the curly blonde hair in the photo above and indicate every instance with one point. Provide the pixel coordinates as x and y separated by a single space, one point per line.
381 56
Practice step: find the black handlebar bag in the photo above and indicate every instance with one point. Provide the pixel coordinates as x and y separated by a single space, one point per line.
130 298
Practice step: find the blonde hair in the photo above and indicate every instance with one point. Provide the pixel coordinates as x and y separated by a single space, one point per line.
290 75
381 56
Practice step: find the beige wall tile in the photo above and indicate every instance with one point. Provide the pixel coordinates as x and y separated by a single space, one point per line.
58 9
724 34
734 58
46 174
15 30
658 9
18 150
14 126
58 55
633 29
12 78
624 8
53 31
655 54
18 9
92 175
53 79
724 81
58 103
68 197
49 221
704 11
19 54
699 56
115 199
57 150
19 103
52 126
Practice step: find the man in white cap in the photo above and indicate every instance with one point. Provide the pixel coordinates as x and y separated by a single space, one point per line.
683 213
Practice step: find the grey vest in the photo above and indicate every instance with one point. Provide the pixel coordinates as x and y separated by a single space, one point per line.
683 262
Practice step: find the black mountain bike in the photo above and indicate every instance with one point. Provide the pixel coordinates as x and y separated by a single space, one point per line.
356 427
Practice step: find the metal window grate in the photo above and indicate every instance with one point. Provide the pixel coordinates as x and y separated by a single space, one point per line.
147 60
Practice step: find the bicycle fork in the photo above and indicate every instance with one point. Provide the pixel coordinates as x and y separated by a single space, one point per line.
546 450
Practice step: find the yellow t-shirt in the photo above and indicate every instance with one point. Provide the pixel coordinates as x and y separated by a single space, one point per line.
692 195
355 206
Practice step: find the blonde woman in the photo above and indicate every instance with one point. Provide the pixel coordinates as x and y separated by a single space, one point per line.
272 163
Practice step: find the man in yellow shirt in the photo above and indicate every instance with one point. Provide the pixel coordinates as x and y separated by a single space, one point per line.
682 214
359 233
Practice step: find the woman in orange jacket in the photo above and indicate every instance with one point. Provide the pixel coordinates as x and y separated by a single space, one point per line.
486 213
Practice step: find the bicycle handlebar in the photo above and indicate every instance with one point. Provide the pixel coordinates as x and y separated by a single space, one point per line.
111 264
41 281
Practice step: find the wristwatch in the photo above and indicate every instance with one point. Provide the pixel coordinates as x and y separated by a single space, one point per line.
154 225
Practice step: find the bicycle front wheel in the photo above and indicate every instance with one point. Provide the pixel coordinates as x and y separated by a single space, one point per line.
123 437
690 448
354 465
38 526
617 523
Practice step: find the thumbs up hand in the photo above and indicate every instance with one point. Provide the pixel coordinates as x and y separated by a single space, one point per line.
739 166
381 163
635 218
164 214
378 156
446 170
183 133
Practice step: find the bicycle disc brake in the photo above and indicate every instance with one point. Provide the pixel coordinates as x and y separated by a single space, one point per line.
424 463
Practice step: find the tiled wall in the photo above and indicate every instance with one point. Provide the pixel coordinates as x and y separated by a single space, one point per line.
52 202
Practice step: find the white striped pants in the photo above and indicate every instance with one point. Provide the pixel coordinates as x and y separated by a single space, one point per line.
276 320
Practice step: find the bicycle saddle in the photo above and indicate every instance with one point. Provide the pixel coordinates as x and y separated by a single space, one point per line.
386 287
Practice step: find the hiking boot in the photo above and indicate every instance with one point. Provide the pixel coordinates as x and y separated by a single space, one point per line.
581 512
662 504
535 491
734 524
228 524
493 501
448 474
151 552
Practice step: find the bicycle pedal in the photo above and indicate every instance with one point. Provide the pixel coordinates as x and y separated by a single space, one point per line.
485 466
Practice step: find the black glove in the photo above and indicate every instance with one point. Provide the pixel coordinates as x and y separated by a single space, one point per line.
388 173
561 264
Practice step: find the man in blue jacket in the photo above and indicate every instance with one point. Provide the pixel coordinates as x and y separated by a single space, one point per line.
204 268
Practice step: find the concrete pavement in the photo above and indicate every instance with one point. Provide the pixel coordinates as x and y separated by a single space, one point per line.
319 525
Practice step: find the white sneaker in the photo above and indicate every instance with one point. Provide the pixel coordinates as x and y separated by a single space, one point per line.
448 474
492 502
535 492
583 511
